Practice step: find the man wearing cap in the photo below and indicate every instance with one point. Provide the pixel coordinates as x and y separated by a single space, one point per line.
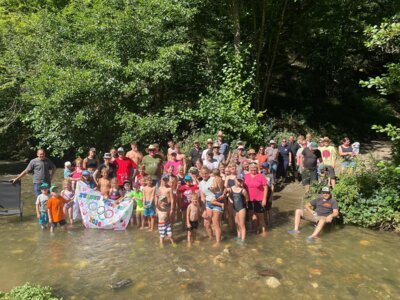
106 164
153 165
210 144
41 167
223 145
195 153
329 155
252 157
321 210
126 168
272 156
134 154
216 153
308 164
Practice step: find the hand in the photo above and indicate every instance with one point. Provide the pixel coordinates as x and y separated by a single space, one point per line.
38 216
13 180
264 203
329 219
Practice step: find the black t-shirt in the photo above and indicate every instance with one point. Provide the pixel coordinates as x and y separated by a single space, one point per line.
324 207
111 168
284 152
195 155
310 158
294 147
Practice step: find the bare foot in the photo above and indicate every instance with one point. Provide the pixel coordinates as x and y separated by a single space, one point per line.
217 244
263 234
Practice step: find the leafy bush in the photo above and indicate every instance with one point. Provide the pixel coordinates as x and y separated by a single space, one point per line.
29 292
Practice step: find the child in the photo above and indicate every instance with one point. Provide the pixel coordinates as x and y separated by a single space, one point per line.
139 177
41 202
239 198
115 192
77 173
126 194
356 148
55 209
137 196
218 190
149 193
192 218
164 202
68 194
185 195
104 184
67 169
87 179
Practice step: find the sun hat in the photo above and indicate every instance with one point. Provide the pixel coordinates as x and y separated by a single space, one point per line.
151 147
240 147
313 145
272 142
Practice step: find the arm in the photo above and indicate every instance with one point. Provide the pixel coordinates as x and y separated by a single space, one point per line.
290 158
23 173
53 172
264 202
309 207
84 163
334 214
172 199
184 163
246 195
37 210
95 177
188 215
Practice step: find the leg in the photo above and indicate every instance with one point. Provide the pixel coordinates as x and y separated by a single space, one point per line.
241 222
216 217
297 219
189 237
320 225
237 224
261 222
207 223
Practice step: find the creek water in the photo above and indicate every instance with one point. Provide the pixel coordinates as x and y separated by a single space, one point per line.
346 262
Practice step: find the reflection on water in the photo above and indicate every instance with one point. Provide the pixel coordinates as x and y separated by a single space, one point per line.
345 263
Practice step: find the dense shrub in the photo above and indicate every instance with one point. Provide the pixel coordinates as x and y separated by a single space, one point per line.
29 292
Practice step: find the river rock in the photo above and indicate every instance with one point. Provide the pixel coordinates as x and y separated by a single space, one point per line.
272 282
314 285
270 273
121 284
364 242
279 261
314 271
180 270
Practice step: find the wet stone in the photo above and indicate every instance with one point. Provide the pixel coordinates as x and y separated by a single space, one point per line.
272 282
121 284
270 273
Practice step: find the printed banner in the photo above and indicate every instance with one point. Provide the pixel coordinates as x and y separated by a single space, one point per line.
101 213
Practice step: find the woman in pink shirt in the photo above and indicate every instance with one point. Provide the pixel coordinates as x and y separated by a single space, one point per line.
173 162
256 186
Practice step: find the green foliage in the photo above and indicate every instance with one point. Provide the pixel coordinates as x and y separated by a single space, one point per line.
371 197
29 292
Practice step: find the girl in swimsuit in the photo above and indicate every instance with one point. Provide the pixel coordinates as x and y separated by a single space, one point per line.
115 192
230 182
239 197
77 174
68 194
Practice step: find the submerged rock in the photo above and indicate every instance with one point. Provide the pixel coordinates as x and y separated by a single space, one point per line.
180 270
314 271
121 284
270 273
272 282
364 242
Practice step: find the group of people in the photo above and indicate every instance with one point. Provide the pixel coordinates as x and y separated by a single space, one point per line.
204 186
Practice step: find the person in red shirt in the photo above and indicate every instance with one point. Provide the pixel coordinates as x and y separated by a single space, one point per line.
55 209
185 193
261 156
126 167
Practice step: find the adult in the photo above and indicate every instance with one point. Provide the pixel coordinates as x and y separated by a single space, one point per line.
311 156
325 210
347 154
210 144
230 182
241 153
180 156
284 159
224 146
134 154
272 156
217 154
126 168
195 153
91 162
106 164
261 156
294 147
153 163
213 213
114 154
158 152
210 162
252 157
256 186
174 163
299 155
41 167
171 148
328 154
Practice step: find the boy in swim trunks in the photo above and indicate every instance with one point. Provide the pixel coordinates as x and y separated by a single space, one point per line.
163 208
192 217
55 209
149 194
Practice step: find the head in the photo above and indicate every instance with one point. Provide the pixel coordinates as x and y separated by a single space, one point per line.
194 198
245 165
308 137
252 154
105 172
291 138
157 147
221 168
261 150
239 180
170 170
127 185
171 144
196 144
173 156
300 139
114 182
283 142
54 190
233 168
346 141
68 165
151 149
134 146
107 158
216 173
216 148
253 168
164 180
313 146
78 162
265 167
193 172
240 150
41 154
44 188
92 152
272 144
136 186
85 175
188 180
198 164
220 135
113 152
210 155
210 144
178 148
121 152
181 171
67 184
326 193
205 173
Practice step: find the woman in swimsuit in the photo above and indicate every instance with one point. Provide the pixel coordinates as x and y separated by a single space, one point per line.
239 198
230 182
91 163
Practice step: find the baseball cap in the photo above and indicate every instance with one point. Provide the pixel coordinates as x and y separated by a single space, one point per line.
272 142
241 147
107 155
53 187
326 189
165 176
313 145
187 177
210 141
44 186
120 149
92 149
85 173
